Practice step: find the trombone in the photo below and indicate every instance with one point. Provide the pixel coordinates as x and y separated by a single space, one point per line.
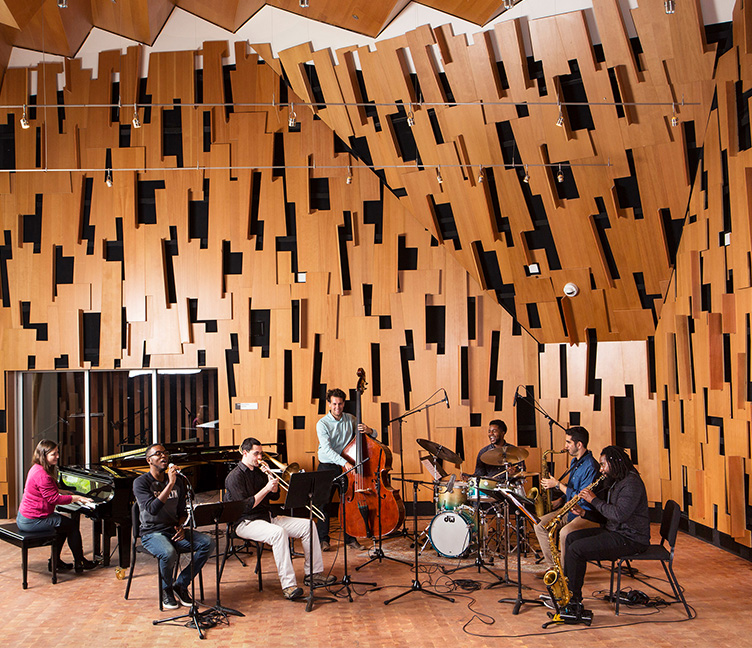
284 479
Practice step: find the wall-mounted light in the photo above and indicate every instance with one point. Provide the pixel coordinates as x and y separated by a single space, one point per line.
560 120
526 179
439 179
674 118
135 121
670 6
292 119
560 176
24 121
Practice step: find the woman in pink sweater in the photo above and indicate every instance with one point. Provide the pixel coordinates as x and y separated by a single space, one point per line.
37 509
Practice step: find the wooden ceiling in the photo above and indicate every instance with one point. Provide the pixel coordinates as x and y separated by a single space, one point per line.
44 25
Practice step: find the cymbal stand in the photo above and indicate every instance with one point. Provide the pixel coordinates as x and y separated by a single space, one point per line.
416 584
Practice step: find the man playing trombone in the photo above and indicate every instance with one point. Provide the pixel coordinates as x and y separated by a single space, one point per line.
252 480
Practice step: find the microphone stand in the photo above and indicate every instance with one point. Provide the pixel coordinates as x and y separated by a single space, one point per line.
378 552
346 581
400 419
196 620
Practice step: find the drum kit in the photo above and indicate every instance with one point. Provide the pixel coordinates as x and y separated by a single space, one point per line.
467 512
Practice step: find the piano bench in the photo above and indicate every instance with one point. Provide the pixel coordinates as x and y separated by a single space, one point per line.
28 540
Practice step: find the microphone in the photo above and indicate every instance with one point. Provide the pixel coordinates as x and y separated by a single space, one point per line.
446 397
177 470
516 396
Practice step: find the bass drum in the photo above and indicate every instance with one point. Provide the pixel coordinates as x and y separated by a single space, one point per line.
452 532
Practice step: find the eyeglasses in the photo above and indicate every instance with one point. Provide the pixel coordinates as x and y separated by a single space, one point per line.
164 453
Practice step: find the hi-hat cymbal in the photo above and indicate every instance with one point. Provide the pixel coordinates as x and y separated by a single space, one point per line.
504 455
439 451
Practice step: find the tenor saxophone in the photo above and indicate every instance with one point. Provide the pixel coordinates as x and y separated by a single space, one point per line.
554 578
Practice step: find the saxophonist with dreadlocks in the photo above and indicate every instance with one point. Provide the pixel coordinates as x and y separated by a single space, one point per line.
627 528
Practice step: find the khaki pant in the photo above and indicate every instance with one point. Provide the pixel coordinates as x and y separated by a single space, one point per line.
575 525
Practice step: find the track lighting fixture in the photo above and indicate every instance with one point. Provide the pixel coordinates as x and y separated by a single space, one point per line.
670 6
108 177
135 121
481 176
508 4
349 175
303 4
560 176
62 4
674 118
560 120
292 120
526 179
439 179
410 117
24 119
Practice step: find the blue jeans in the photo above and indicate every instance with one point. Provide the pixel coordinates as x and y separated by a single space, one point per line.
66 527
166 550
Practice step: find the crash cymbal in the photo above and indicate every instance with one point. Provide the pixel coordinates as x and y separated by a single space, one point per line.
439 451
504 455
524 475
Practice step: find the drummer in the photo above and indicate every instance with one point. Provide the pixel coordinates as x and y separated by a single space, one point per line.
497 429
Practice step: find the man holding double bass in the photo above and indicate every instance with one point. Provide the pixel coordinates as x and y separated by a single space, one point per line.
335 432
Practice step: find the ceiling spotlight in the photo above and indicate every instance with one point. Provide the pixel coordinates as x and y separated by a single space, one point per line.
24 119
292 120
508 4
481 176
108 177
526 179
571 289
560 120
674 118
560 176
135 121
670 6
62 4
349 175
410 117
303 4
439 179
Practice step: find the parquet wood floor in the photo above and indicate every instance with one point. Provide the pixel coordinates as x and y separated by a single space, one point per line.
89 609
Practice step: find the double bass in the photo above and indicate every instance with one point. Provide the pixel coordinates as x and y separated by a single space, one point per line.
369 491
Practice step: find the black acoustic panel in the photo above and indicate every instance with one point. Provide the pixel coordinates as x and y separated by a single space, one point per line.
318 389
210 326
464 373
502 222
375 369
63 268
407 257
435 126
146 205
278 155
373 214
201 357
489 264
198 217
295 315
495 386
628 190
287 380
385 322
527 434
170 250
32 225
625 427
472 330
407 354
232 262
61 362
8 143
92 326
232 357
113 250
289 242
40 328
573 93
298 422
345 234
256 227
476 419
407 148
6 254
87 229
602 224
533 317
318 194
563 372
447 224
367 298
436 327
260 330
647 300
172 133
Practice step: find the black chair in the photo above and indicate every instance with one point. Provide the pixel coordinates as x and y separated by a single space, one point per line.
669 529
232 550
136 527
28 540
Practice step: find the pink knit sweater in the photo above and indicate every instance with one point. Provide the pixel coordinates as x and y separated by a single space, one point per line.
41 494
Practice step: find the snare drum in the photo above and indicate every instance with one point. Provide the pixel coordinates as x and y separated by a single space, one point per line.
453 499
452 532
484 484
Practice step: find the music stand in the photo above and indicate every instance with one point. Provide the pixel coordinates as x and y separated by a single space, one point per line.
304 488
520 511
216 513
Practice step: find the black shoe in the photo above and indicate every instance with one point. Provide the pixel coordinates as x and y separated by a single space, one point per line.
355 545
325 546
61 566
182 595
84 564
168 600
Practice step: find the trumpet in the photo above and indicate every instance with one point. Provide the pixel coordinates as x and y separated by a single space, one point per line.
284 479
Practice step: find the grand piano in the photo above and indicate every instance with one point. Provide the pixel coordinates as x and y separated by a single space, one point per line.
110 484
